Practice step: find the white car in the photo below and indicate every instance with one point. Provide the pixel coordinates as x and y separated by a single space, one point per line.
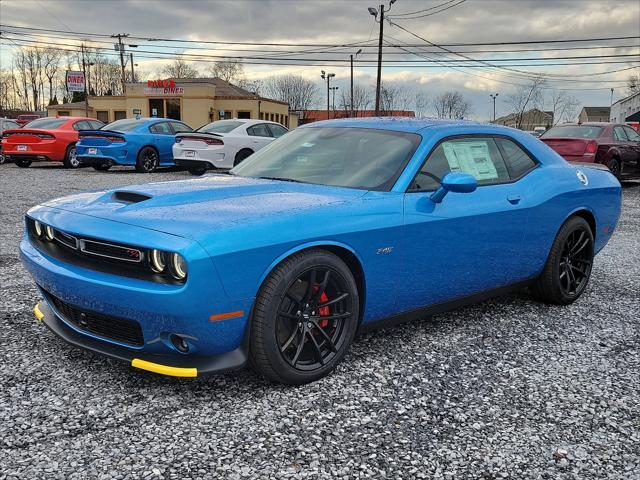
223 144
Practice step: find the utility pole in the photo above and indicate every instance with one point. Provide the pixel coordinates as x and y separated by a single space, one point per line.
327 77
133 74
375 12
351 57
86 94
120 48
494 105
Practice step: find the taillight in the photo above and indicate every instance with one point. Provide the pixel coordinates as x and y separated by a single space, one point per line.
213 141
116 139
592 147
45 136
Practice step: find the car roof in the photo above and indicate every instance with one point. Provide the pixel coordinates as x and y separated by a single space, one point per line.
399 124
586 124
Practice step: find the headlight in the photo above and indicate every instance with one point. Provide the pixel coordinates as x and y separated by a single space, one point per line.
48 233
38 228
158 261
178 266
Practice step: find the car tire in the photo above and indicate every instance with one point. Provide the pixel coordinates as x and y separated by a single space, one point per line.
198 171
70 158
568 268
101 167
22 163
292 340
147 160
2 159
614 167
242 155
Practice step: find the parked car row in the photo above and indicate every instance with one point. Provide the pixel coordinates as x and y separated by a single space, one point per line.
144 143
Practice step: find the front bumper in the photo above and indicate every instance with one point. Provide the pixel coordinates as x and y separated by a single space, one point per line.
172 365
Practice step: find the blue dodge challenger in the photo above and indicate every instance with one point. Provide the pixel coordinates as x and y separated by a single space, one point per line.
145 143
337 227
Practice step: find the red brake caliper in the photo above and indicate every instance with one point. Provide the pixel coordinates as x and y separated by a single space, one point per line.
323 311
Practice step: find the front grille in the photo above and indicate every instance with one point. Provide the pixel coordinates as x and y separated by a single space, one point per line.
113 328
108 250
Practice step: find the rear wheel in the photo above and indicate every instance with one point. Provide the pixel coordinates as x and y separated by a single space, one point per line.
241 155
614 167
304 319
568 268
101 167
2 159
22 163
147 160
71 158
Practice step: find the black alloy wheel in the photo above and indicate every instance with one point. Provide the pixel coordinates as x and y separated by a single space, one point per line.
147 160
614 167
305 317
568 268
22 163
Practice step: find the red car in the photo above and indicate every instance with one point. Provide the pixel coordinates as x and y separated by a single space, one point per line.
614 145
47 140
25 118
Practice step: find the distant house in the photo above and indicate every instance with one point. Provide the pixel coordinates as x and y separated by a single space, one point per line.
309 116
594 114
626 110
529 120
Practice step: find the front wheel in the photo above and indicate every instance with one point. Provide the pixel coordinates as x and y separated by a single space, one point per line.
568 268
71 158
147 160
304 318
22 163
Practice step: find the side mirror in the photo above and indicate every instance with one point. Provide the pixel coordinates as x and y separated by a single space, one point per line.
454 182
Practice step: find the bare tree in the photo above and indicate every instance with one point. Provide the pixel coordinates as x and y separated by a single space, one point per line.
230 72
525 98
51 65
295 90
180 69
362 99
451 105
563 106
633 84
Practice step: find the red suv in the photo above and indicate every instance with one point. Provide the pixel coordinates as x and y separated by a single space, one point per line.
25 118
614 145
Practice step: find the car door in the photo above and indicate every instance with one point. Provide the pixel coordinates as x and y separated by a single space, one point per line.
634 147
470 242
627 154
260 136
163 140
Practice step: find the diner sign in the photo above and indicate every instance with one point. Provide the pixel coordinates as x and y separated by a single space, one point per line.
163 87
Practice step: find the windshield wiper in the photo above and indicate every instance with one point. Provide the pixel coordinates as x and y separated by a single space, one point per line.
283 179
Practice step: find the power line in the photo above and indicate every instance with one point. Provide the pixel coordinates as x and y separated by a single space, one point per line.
433 13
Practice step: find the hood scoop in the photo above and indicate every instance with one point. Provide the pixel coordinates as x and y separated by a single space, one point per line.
129 197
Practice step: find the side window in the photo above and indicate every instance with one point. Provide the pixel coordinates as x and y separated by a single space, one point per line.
259 130
277 130
618 134
181 127
476 156
95 125
632 134
516 159
162 128
82 125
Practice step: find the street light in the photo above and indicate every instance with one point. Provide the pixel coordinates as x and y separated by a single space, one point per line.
333 104
494 105
351 57
327 77
374 12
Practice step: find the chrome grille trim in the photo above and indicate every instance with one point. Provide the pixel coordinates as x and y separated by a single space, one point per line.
124 257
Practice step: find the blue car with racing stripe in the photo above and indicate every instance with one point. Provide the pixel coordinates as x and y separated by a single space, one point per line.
145 143
337 227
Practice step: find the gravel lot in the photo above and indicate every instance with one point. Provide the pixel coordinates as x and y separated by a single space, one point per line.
506 389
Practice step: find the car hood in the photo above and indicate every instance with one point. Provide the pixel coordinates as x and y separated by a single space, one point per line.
191 208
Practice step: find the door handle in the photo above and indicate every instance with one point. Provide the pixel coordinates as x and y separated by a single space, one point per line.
514 199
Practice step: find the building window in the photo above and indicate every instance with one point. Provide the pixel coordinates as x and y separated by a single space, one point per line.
119 115
244 115
63 113
165 108
103 116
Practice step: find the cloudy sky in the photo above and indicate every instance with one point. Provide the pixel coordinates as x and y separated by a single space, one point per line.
324 22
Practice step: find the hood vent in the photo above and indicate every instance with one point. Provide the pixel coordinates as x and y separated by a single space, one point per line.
129 197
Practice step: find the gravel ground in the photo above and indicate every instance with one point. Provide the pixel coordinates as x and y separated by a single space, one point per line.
506 389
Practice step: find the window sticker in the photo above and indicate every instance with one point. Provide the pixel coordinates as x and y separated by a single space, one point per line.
472 158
